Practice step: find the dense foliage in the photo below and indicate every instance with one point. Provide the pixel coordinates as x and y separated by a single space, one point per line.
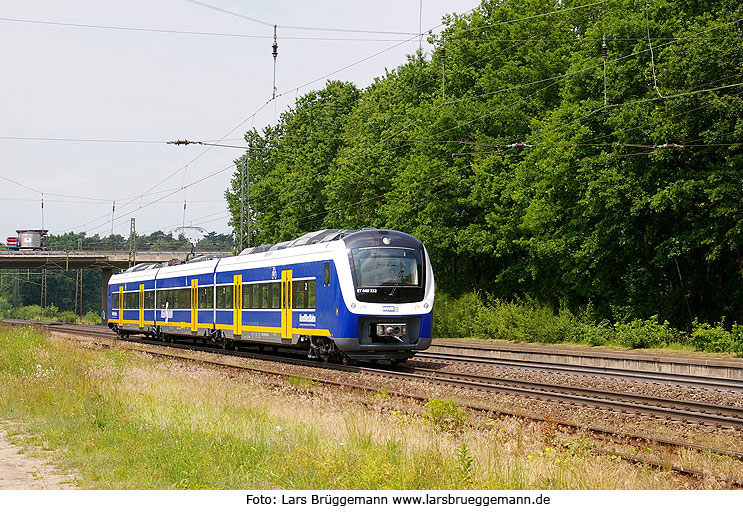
522 181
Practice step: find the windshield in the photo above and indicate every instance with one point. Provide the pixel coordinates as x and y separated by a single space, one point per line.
387 266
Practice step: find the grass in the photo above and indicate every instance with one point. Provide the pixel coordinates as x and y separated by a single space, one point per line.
122 420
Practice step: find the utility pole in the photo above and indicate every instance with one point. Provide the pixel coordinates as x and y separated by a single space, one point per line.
442 52
79 294
245 201
79 286
43 289
275 54
603 54
132 243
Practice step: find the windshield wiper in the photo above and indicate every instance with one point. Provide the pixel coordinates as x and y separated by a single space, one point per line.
398 280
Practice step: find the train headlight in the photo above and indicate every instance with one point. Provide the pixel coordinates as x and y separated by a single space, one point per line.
425 305
353 305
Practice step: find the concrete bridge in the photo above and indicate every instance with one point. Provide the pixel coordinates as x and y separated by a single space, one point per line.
106 261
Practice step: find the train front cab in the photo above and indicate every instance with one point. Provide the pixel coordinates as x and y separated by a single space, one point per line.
389 288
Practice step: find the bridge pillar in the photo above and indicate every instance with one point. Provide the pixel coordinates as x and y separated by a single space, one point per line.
106 273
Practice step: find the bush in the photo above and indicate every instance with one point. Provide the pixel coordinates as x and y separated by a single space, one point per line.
521 320
528 320
66 317
457 318
91 318
707 338
445 415
646 333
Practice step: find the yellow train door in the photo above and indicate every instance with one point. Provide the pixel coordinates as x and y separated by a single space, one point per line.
141 306
237 304
286 304
194 305
121 306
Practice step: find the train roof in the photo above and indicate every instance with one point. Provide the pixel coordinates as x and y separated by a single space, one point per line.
314 237
357 238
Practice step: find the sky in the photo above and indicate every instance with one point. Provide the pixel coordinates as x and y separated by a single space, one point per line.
86 112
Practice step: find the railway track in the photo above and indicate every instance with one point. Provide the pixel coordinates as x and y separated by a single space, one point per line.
685 411
238 360
643 376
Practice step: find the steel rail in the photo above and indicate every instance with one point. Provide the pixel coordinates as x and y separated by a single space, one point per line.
674 404
586 397
716 383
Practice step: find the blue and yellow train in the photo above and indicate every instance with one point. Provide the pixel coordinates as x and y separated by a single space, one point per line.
342 295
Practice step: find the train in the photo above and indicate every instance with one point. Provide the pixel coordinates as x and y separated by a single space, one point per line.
341 295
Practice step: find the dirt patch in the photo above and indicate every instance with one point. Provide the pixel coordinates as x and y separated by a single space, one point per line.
21 469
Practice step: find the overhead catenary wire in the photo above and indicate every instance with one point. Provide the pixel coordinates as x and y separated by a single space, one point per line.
193 33
296 27
315 38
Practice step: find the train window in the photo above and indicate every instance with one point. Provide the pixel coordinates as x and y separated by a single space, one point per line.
115 300
256 299
327 274
131 300
311 294
303 294
206 297
247 297
299 294
163 298
182 299
149 299
265 297
224 297
378 266
276 300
